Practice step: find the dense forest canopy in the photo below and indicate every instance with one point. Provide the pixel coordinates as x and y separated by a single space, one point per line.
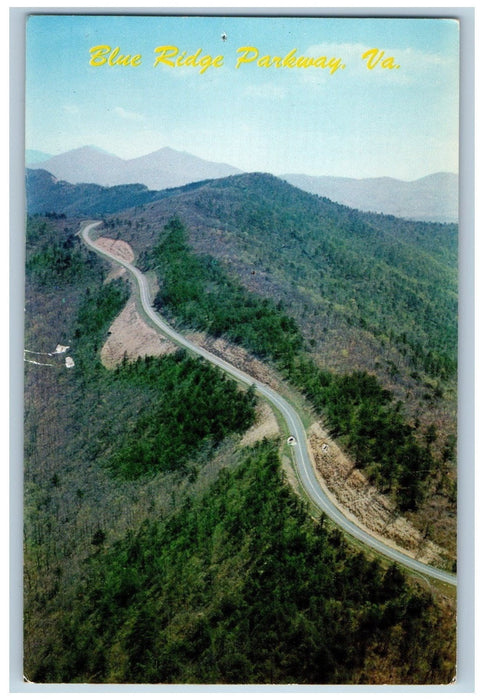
240 586
156 550
198 291
378 272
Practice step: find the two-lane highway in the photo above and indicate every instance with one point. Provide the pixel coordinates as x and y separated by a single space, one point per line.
295 427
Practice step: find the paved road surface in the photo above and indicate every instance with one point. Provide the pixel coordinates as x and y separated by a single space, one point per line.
294 424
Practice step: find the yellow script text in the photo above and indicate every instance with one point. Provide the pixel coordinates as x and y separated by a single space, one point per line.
166 56
249 54
375 57
104 54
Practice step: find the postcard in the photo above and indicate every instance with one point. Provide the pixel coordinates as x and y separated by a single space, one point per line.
240 350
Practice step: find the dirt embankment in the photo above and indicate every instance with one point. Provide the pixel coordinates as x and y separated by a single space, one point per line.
129 334
265 426
120 248
237 356
116 247
362 503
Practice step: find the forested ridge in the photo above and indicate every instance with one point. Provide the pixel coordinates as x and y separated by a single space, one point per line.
240 586
370 294
45 193
88 430
204 568
393 279
199 291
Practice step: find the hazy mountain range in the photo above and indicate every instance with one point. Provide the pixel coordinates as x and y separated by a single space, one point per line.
158 170
431 198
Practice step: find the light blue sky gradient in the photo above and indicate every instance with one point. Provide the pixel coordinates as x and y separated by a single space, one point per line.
356 122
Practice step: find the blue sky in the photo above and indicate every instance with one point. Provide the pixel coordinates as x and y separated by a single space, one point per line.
354 122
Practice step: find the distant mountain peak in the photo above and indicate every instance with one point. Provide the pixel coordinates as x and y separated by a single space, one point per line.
158 170
430 198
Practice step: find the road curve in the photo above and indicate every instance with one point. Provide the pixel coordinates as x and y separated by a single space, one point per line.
306 473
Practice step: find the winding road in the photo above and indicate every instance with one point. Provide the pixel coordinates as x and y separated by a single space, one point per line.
303 462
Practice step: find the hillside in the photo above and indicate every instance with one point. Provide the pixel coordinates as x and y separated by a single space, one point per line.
370 294
431 198
359 294
391 283
382 285
45 193
150 558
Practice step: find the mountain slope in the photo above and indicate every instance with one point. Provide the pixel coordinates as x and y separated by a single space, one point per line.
431 198
159 170
86 164
209 573
371 295
35 157
369 292
45 193
170 168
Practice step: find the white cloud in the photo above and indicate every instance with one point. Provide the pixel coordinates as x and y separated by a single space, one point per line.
129 116
265 90
70 109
